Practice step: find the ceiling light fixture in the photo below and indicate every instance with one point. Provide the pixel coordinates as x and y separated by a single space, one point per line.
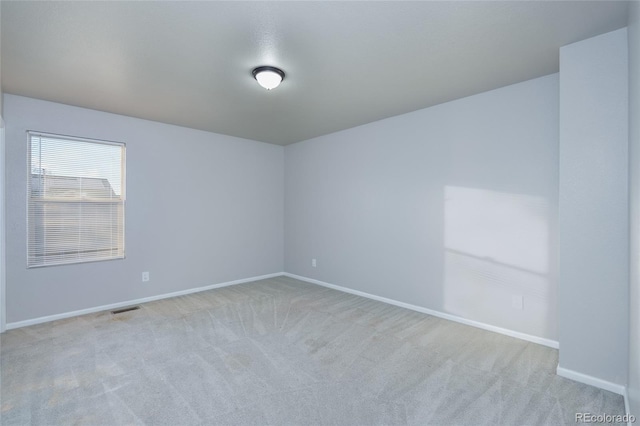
268 77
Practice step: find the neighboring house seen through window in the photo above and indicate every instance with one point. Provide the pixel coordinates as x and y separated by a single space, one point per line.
76 195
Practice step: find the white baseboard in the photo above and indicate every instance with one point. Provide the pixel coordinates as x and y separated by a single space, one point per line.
594 381
523 336
563 372
516 334
627 407
55 317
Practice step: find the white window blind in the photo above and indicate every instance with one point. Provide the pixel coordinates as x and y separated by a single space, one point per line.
76 195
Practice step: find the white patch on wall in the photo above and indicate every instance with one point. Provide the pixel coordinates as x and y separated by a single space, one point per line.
496 251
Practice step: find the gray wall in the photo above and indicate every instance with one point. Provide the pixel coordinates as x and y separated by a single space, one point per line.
2 172
3 298
634 191
201 209
452 208
1 99
593 208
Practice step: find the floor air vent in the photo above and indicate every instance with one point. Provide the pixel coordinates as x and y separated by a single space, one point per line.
120 311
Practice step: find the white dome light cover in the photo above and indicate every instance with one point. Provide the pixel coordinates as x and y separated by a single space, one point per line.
268 77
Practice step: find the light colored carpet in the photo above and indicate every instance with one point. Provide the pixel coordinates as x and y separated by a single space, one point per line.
279 352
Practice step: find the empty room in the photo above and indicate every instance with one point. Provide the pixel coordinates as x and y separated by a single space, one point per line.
319 213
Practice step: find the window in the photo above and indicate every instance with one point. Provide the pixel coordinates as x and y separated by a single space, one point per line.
76 194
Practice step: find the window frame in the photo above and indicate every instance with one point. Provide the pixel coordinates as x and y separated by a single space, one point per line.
122 201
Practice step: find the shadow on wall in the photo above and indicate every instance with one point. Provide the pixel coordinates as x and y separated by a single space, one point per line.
497 259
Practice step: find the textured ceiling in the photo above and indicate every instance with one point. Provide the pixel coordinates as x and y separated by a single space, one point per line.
347 63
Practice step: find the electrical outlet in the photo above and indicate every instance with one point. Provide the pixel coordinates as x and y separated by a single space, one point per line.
145 276
517 302
313 263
